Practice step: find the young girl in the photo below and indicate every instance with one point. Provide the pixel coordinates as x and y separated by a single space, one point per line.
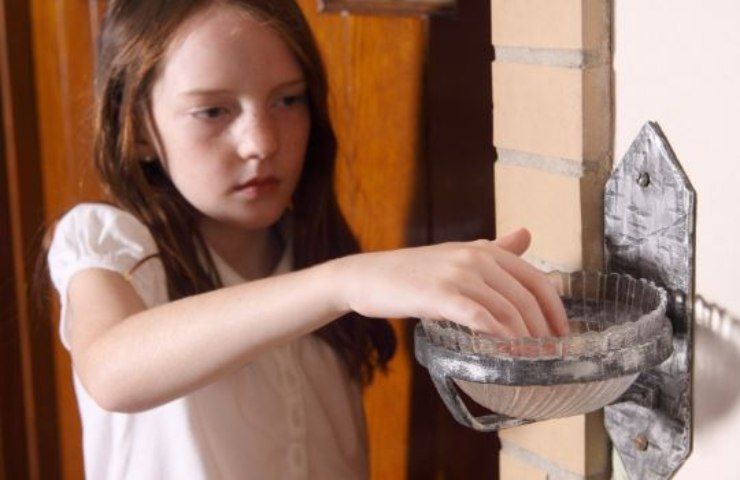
219 319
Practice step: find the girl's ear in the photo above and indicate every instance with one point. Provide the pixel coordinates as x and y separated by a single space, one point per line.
145 151
147 146
143 146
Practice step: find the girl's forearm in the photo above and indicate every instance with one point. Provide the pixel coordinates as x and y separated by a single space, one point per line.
164 352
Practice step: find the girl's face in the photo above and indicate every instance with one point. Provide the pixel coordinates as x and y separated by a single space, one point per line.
231 117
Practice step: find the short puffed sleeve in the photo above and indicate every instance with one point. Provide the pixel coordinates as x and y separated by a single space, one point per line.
94 235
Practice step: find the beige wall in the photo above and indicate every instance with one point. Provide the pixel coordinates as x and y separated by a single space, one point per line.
678 62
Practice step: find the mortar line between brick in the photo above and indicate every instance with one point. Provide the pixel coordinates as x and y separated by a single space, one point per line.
553 57
559 165
548 266
553 470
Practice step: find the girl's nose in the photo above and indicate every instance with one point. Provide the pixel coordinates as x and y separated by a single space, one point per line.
258 136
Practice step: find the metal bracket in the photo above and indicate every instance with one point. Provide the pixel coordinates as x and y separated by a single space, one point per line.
649 232
443 366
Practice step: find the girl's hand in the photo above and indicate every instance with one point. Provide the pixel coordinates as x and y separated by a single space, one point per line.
482 284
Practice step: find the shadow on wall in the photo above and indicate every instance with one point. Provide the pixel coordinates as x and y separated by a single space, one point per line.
717 357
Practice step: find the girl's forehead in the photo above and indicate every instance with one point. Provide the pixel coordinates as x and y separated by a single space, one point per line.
228 18
224 44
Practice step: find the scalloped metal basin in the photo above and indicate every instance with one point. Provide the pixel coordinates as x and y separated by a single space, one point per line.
618 328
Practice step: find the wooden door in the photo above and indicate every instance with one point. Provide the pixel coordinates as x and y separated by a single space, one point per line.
63 63
28 410
415 166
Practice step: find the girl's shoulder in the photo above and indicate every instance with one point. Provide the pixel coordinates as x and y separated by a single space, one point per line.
102 236
102 223
95 210
97 235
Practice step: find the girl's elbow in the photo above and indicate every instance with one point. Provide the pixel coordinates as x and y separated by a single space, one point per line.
108 393
105 399
117 403
110 403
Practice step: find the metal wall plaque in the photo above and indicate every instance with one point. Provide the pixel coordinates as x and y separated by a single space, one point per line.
649 232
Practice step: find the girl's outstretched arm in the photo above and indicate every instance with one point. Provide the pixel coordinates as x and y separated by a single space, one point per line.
131 358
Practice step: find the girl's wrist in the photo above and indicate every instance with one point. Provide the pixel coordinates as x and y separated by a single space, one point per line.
336 284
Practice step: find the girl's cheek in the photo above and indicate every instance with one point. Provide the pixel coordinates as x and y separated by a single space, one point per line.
197 132
297 125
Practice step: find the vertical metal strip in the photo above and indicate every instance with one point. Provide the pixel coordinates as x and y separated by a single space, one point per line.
649 223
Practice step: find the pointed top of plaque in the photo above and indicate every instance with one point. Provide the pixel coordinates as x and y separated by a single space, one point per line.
650 152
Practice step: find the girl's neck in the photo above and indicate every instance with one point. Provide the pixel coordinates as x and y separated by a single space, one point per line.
250 253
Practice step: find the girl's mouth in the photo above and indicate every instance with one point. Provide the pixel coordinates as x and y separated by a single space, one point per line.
258 187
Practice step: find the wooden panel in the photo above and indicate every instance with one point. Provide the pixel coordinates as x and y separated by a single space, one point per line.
23 207
458 136
387 6
63 52
13 449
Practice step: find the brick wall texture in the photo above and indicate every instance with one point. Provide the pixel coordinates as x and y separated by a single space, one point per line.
552 130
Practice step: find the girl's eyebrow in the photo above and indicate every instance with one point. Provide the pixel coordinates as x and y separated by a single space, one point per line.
290 83
206 91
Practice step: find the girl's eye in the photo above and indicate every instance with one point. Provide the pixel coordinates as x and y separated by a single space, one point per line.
210 113
291 100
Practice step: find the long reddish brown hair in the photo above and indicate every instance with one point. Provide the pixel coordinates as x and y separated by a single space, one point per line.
132 43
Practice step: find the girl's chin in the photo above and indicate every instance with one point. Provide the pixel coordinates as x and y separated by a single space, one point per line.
250 220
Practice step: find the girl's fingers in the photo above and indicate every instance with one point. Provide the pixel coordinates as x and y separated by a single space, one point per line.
517 293
516 242
498 306
535 282
465 311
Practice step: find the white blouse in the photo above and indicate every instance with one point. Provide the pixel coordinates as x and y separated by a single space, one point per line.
291 413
